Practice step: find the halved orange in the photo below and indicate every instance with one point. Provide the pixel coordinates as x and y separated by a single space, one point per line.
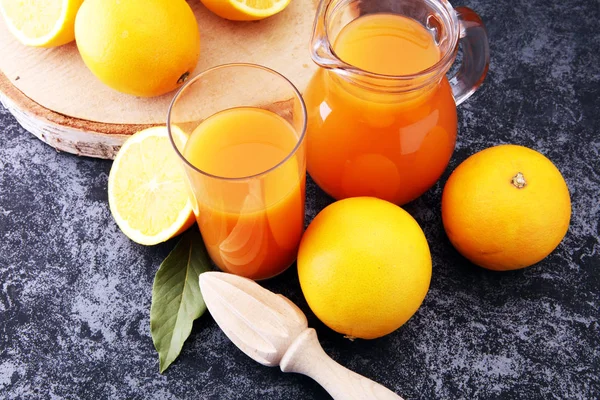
41 23
245 10
147 188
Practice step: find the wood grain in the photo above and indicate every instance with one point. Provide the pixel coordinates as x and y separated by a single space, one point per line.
77 136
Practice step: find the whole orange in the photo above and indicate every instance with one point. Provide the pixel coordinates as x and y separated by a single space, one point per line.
364 267
141 47
506 207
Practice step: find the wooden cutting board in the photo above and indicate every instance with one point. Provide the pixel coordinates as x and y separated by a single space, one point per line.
54 96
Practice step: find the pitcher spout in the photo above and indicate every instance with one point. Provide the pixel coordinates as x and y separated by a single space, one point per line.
321 49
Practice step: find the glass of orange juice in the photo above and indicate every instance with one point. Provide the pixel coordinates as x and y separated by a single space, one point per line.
382 115
239 130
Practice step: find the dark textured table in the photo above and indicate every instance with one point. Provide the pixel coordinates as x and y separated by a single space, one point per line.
75 292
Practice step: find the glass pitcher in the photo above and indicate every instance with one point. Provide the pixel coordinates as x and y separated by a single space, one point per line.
382 134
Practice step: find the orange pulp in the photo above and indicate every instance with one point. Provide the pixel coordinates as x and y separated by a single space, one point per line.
251 227
363 141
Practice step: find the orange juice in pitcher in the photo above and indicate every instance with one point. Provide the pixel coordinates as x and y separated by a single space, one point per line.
381 113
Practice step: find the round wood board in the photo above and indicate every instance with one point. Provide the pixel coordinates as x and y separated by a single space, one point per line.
55 97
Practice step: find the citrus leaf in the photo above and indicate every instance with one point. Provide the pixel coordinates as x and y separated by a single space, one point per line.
176 297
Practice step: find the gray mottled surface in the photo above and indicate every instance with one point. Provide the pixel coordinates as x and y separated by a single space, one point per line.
75 293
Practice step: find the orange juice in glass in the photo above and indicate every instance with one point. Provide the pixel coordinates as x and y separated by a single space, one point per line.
245 161
381 112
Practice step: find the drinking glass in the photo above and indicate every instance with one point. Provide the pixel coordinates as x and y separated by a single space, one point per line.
252 217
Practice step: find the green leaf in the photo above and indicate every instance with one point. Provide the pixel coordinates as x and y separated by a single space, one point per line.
176 297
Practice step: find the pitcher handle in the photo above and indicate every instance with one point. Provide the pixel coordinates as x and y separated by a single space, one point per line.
476 55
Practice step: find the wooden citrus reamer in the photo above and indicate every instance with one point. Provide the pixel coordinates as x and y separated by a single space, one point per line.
273 331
